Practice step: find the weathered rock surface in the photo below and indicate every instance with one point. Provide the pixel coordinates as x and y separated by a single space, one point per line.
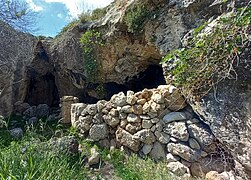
126 139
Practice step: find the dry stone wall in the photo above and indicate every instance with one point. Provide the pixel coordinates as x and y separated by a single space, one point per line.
156 123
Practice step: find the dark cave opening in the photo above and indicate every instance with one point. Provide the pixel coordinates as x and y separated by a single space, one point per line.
42 90
152 77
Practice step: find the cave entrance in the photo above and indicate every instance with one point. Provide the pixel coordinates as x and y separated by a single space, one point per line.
42 90
152 77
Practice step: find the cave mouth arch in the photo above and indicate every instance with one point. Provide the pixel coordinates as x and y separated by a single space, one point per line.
42 90
152 77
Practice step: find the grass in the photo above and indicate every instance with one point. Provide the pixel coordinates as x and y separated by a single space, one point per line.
26 159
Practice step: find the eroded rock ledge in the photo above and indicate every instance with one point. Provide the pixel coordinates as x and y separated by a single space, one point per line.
156 123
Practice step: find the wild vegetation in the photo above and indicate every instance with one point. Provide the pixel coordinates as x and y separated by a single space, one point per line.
25 158
211 54
89 41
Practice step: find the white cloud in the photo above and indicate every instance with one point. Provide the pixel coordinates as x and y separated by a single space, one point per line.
59 15
33 6
76 7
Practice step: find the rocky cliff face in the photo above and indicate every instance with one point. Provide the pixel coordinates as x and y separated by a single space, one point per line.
16 54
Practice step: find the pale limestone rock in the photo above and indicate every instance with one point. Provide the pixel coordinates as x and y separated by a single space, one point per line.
90 109
141 101
126 139
158 98
202 134
133 118
114 112
137 109
171 158
184 152
84 123
127 109
76 110
145 136
98 118
155 120
119 99
95 157
177 130
177 168
147 107
133 127
130 98
111 121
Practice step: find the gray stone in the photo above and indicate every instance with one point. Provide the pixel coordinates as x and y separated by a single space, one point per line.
152 114
122 115
177 168
177 130
84 123
31 112
133 118
101 105
33 120
133 127
98 118
2 122
119 99
90 109
193 143
145 135
146 124
174 116
184 152
201 133
164 138
147 148
111 121
153 128
66 144
193 121
95 157
42 111
16 132
126 139
127 109
158 152
156 108
137 109
155 120
98 132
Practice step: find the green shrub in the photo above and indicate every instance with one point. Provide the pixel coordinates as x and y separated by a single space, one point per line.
210 57
90 41
136 17
92 15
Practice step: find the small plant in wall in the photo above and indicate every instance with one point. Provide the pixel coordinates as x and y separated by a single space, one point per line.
211 54
90 41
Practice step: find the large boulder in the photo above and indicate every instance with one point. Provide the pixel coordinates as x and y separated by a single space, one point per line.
17 52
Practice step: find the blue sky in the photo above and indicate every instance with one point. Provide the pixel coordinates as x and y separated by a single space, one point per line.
55 14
